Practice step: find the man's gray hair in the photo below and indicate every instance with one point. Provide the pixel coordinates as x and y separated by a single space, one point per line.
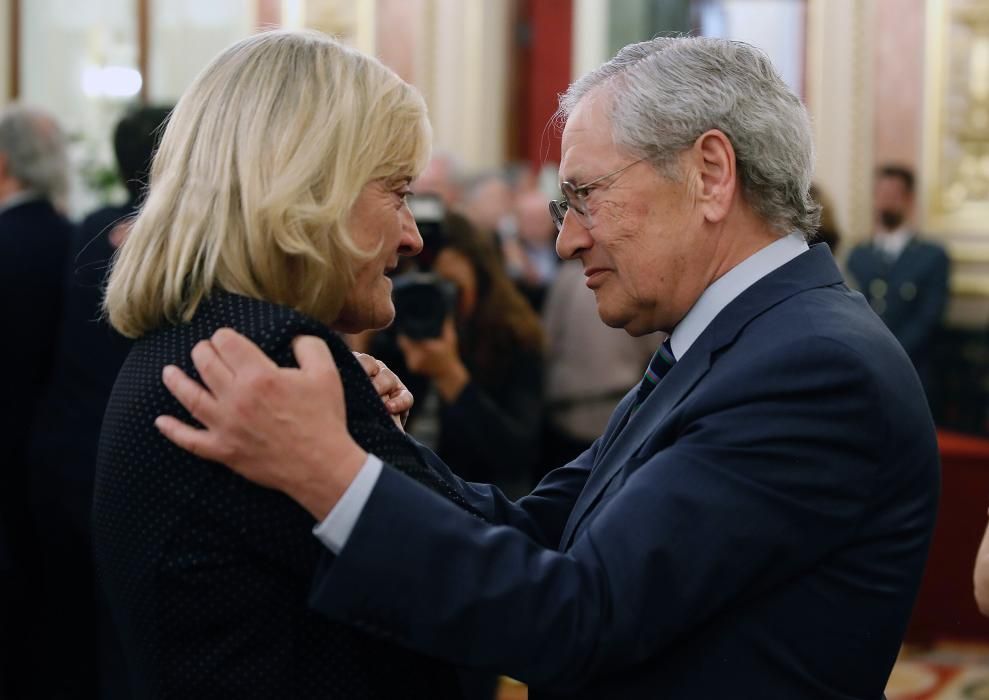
668 91
35 150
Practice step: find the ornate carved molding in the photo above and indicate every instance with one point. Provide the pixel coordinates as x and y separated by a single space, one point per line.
956 134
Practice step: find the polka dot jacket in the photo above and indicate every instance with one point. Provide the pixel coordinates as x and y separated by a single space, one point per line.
207 575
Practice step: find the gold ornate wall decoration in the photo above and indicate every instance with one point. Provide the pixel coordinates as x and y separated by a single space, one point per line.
956 138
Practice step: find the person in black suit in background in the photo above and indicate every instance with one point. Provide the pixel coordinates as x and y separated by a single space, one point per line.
904 277
34 239
62 452
276 206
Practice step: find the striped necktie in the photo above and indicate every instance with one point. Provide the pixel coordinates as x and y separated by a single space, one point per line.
660 364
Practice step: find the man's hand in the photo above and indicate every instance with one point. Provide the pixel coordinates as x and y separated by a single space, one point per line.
282 428
397 398
438 359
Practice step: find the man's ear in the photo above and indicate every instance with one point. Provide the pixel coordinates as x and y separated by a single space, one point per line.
713 158
3 166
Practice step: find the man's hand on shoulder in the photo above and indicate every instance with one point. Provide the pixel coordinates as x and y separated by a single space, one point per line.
283 428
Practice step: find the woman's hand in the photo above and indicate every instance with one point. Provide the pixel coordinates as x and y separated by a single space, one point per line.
438 359
397 398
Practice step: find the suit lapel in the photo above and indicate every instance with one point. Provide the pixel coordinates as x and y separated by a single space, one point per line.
654 410
815 268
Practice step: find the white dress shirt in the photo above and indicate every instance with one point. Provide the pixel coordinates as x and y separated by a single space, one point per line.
892 244
335 529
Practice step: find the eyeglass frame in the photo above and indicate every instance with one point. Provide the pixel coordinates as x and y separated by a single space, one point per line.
558 208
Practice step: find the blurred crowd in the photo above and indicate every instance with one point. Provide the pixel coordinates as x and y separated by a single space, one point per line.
513 372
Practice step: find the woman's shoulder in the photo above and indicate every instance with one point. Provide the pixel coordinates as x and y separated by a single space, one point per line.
272 327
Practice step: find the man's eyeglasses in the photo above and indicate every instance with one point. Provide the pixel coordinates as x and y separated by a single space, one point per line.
575 199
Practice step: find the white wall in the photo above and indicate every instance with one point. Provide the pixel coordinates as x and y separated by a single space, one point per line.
775 26
185 35
60 40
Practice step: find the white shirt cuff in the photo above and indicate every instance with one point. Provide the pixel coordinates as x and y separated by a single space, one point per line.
335 529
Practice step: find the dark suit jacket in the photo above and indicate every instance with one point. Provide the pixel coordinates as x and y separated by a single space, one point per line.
207 574
910 295
758 529
88 355
34 239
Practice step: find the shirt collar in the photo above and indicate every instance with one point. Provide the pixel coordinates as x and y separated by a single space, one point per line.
726 288
894 242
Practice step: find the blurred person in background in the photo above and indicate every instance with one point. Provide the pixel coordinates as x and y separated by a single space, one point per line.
486 368
531 256
443 177
828 231
34 242
490 206
62 452
277 203
904 277
589 368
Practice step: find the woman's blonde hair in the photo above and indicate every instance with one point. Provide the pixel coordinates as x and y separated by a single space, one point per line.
257 171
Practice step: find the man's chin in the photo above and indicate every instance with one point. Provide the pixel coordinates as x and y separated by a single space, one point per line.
634 326
611 318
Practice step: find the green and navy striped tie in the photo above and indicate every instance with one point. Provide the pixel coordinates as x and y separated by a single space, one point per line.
660 364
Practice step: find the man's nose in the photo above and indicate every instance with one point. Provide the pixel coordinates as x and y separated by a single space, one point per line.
572 239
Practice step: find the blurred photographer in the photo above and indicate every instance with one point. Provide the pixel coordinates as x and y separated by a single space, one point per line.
475 366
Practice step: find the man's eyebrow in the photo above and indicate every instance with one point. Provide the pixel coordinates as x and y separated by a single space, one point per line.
574 176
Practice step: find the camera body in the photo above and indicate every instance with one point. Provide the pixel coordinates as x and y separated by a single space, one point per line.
423 301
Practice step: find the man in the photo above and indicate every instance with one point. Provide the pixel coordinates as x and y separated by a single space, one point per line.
62 451
905 279
755 519
34 240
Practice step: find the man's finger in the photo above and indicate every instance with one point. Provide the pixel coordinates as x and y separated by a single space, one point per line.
214 372
195 440
238 352
191 394
312 354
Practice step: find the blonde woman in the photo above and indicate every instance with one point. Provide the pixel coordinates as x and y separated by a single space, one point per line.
276 207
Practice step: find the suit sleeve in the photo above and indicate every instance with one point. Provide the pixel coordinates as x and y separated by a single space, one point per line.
542 514
766 478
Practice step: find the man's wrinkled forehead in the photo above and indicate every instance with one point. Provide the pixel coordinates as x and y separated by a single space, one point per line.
587 135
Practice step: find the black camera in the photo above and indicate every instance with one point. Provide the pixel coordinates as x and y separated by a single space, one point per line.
429 213
423 301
